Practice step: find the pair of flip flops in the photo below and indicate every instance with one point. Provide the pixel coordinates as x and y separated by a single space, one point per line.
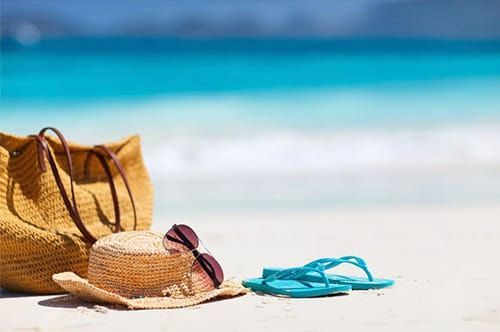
311 280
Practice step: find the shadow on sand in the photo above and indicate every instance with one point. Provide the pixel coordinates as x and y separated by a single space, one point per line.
5 294
73 302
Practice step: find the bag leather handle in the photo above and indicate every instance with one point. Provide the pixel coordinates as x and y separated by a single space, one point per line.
123 175
72 208
112 188
71 205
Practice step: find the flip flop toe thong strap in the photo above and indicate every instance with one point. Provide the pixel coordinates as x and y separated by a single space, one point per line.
324 264
295 273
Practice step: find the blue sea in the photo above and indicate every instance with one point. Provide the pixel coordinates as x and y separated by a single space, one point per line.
271 124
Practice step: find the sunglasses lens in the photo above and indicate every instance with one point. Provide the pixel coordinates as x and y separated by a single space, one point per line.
180 238
207 271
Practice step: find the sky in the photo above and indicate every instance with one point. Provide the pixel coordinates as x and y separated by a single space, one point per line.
445 19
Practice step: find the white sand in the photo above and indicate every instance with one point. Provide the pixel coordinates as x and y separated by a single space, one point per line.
445 261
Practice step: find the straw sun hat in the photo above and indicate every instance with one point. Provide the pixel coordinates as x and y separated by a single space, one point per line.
134 269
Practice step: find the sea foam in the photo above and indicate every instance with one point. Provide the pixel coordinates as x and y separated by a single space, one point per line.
282 152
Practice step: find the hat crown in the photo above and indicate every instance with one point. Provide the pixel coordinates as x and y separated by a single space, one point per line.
139 242
135 264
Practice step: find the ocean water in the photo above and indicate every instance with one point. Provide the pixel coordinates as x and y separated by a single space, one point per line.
245 125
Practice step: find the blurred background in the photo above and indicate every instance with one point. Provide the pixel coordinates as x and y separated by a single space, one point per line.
248 106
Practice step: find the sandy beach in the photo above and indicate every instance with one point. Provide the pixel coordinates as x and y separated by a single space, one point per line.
443 258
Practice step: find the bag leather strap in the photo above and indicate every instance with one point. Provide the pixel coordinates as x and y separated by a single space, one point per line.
112 188
71 205
123 175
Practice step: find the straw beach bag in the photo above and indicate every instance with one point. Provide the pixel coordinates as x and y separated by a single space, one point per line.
57 198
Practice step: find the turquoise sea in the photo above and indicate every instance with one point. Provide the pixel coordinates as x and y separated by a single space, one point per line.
246 124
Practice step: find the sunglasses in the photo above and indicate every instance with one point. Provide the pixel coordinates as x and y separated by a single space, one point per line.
182 238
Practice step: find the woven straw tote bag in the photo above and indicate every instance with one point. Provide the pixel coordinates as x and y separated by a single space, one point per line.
57 198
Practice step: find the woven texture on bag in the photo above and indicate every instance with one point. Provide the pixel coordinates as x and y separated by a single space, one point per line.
37 235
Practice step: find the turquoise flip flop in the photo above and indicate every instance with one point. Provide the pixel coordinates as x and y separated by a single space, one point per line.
288 282
323 264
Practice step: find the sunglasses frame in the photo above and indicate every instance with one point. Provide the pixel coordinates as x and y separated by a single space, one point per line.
207 267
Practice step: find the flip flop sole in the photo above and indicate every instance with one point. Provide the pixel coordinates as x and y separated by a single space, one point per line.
294 288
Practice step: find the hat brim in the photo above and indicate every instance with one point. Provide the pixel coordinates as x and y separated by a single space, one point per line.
80 287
